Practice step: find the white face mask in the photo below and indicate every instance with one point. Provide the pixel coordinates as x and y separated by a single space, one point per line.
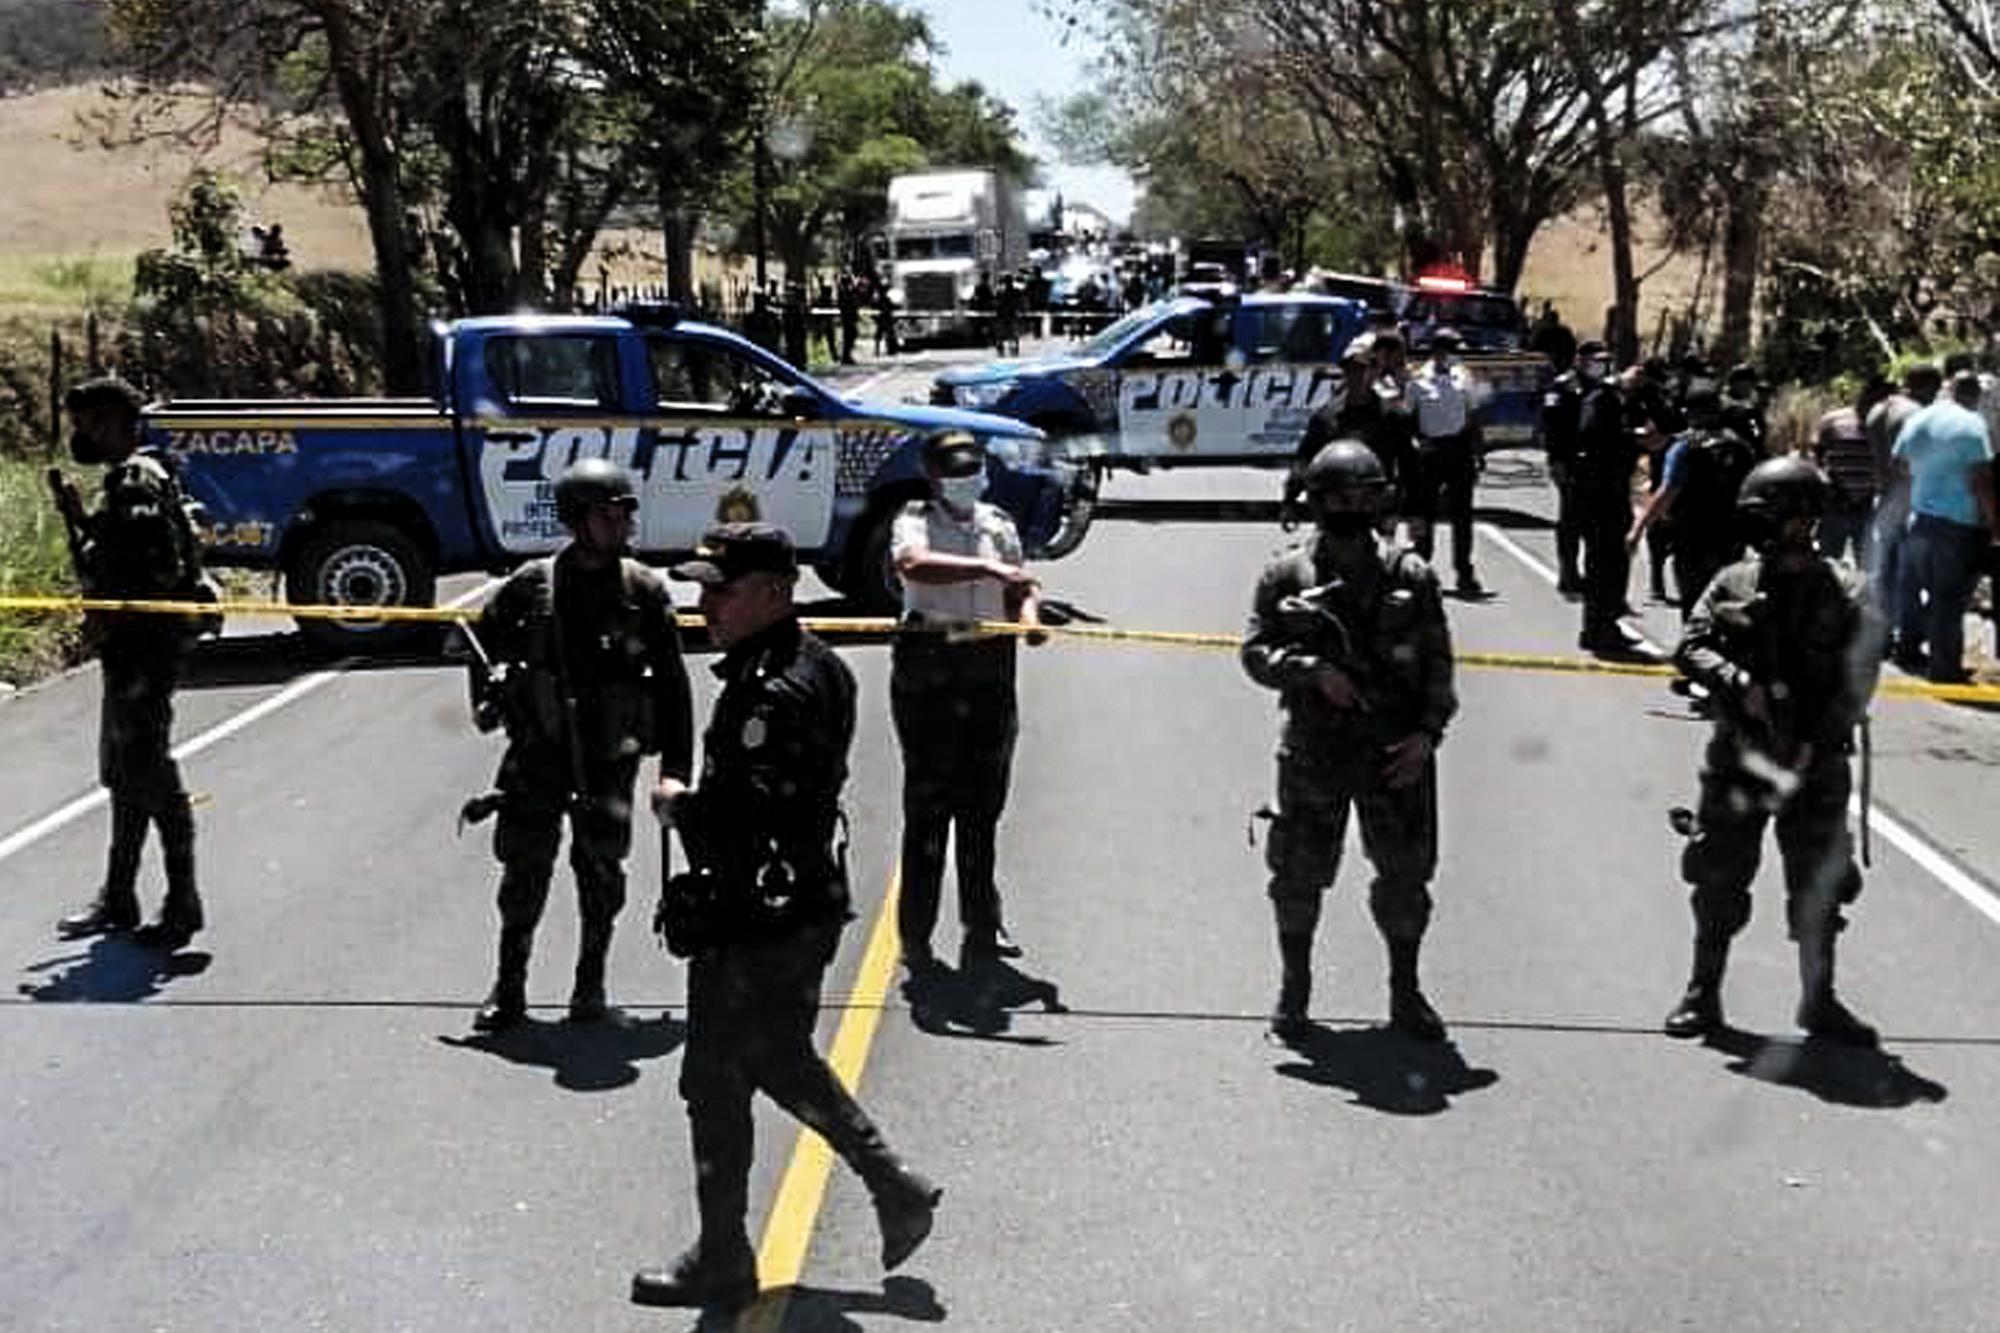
962 493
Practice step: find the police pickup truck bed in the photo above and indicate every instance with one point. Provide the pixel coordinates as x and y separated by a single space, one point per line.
368 501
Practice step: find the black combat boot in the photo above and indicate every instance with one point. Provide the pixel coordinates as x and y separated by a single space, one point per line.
1409 1012
1289 1019
905 1208
707 1276
1821 1014
181 916
1699 1012
507 1003
116 907
586 996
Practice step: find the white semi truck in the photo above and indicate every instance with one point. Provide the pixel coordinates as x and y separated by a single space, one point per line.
946 231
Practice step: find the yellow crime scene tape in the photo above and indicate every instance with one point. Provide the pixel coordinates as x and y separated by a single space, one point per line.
1550 664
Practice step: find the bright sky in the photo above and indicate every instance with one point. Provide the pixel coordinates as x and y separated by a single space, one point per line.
1016 54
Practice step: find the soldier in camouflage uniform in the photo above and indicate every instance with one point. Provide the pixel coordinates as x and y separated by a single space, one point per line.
140 543
1350 630
1782 640
593 679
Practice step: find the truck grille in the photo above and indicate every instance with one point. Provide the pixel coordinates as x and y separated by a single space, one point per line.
927 292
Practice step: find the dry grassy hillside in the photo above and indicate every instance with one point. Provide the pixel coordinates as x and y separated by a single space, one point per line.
71 196
73 202
1570 264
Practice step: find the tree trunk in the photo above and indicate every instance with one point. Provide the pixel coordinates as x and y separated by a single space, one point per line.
1605 149
1742 257
403 367
677 238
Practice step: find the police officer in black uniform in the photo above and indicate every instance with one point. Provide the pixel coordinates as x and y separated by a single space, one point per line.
1782 641
760 826
1607 454
593 679
1562 408
139 544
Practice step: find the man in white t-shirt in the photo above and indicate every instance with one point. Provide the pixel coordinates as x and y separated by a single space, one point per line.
951 693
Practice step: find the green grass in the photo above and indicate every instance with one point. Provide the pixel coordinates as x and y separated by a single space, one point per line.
58 285
34 561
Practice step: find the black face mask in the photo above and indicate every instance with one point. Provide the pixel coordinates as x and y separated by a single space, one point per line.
1343 523
82 448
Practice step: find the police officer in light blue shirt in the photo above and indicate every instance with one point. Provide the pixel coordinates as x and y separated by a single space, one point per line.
1947 455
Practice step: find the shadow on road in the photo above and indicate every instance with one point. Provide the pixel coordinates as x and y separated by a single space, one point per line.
1385 1070
978 999
586 1057
807 1309
1507 518
114 970
1844 1075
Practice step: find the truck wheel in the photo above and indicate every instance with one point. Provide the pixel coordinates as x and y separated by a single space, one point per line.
871 580
1078 509
361 562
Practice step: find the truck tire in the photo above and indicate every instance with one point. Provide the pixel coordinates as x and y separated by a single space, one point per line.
1080 508
871 581
361 562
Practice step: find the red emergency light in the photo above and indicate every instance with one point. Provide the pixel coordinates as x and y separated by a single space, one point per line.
1443 282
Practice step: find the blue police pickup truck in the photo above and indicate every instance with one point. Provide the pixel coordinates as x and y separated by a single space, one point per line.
367 502
1204 379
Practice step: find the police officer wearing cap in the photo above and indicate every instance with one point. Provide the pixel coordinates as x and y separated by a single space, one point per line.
1562 412
952 693
1607 455
1350 631
762 822
588 648
139 544
1782 641
1443 405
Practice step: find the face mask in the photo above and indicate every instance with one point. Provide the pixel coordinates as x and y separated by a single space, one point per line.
1344 523
962 493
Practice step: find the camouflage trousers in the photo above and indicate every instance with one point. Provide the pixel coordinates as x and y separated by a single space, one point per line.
1398 833
750 1015
1721 858
528 835
135 762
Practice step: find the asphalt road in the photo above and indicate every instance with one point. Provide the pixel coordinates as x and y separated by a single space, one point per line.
292 1127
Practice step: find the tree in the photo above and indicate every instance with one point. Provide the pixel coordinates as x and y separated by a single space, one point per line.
684 70
850 100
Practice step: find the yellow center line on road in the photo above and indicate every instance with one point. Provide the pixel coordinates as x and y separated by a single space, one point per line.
781 1259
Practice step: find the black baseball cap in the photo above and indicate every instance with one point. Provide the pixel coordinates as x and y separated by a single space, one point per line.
1591 347
106 391
953 453
728 551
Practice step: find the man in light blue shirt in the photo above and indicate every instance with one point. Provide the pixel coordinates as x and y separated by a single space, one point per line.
1947 454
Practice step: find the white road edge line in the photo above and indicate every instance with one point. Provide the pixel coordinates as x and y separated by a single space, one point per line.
1905 839
194 745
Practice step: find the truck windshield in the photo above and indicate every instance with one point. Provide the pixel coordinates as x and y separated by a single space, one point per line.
933 247
1107 342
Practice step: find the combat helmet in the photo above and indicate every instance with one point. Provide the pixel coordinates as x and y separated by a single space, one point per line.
590 481
1781 489
1346 476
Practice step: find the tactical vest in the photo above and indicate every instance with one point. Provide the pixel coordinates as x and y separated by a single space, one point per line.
612 694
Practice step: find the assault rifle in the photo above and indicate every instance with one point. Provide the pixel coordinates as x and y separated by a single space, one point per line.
75 522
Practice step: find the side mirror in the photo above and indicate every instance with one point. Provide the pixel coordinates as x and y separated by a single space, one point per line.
799 403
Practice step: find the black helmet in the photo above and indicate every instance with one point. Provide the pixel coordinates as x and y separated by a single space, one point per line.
592 481
1781 489
1346 475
